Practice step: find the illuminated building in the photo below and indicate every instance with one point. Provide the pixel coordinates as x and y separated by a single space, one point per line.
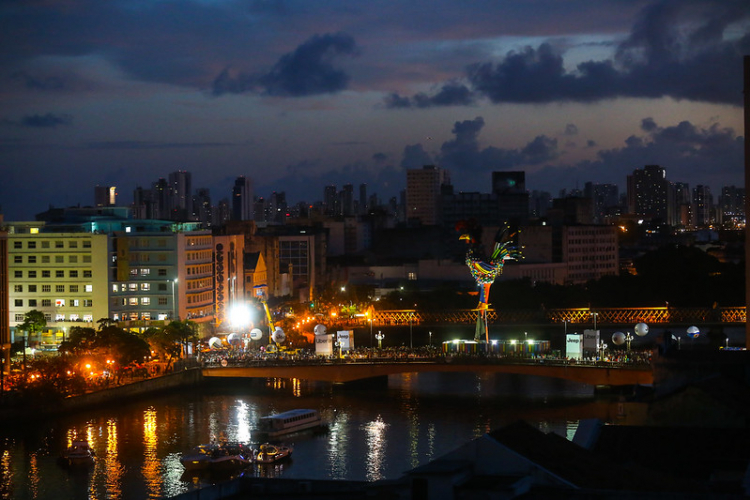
423 189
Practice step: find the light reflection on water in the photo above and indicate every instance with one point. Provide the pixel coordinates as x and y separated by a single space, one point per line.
374 432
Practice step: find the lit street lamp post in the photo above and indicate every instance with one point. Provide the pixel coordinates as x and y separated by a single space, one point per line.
380 338
174 300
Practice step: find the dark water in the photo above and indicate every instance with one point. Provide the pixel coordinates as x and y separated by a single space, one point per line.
375 432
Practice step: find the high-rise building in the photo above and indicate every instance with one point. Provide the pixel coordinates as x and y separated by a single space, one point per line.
423 189
363 202
105 196
330 200
202 208
703 205
180 195
732 205
347 200
649 193
242 199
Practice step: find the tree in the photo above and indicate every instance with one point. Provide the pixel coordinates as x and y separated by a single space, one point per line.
163 345
182 332
33 321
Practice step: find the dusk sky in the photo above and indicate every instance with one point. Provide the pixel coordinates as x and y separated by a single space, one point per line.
298 94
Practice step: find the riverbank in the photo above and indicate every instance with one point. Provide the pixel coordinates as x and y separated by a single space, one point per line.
125 392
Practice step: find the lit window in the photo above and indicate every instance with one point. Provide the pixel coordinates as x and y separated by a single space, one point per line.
20 318
60 303
145 286
59 317
114 288
133 286
145 301
74 302
73 317
133 301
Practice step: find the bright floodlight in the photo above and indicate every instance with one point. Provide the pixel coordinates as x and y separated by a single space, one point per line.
239 315
320 329
693 332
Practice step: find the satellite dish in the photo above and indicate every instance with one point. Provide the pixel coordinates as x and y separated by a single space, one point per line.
234 339
641 329
693 332
320 329
214 342
618 338
278 335
255 334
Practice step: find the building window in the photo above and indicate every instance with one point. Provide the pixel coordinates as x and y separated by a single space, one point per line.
32 274
18 288
145 301
145 271
46 274
32 288
88 317
45 259
20 318
46 302
86 243
46 288
32 302
88 303
59 288
32 259
145 286
87 273
162 287
73 259
162 272
19 302
17 244
133 301
162 301
59 273
132 287
88 288
18 259
59 259
72 244
18 274
59 244
31 244
74 288
73 274
74 302
45 244
86 259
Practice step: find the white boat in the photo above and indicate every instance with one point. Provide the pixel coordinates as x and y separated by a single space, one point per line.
272 453
78 453
288 422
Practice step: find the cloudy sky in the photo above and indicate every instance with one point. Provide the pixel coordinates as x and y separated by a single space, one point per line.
297 94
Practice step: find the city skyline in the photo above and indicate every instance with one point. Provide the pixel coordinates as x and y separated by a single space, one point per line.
296 95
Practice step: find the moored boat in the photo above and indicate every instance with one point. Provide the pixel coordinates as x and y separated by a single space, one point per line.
272 453
288 422
78 453
221 457
199 458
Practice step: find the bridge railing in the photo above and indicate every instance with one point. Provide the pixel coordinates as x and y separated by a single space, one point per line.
604 316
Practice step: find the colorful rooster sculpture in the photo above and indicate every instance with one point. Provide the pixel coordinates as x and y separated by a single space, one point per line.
484 270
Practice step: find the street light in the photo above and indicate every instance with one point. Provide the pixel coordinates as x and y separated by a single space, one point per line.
380 338
594 315
174 300
430 338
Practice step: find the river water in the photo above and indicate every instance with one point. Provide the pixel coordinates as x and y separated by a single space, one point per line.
377 431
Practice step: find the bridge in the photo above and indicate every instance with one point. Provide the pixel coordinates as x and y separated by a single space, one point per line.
597 375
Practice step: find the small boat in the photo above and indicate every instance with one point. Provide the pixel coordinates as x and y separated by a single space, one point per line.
231 457
288 422
218 457
78 453
272 453
199 458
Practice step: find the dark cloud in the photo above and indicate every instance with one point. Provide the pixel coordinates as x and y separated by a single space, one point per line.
464 153
415 157
309 70
450 94
38 83
48 120
571 129
689 153
648 124
677 48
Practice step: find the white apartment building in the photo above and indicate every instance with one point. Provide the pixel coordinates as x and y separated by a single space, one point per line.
63 275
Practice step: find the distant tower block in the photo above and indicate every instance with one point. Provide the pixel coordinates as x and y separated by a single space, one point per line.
105 196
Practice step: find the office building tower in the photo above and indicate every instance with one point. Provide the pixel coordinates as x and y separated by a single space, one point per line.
347 200
363 202
242 199
423 190
732 206
649 193
330 200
